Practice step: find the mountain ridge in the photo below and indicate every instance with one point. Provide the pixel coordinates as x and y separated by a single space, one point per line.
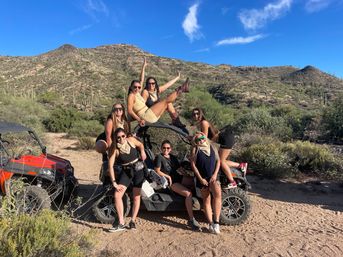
82 75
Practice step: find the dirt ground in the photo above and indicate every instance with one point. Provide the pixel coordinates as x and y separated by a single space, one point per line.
287 219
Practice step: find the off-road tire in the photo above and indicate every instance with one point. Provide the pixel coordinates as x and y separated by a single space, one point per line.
236 207
105 211
33 199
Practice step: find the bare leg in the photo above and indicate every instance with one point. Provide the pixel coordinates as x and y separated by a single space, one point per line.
172 112
136 202
182 190
217 199
223 155
159 107
206 198
118 202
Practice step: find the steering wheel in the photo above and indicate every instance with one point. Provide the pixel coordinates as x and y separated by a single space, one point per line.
25 151
5 142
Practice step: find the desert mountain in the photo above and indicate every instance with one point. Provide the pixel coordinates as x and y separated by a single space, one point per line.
83 75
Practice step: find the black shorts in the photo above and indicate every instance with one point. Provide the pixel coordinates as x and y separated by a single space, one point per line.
226 139
102 136
129 175
176 177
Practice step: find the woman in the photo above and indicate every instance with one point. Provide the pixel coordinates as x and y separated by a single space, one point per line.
205 164
226 140
116 119
125 151
166 165
138 110
152 91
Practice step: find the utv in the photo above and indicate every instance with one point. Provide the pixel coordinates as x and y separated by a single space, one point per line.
33 177
156 196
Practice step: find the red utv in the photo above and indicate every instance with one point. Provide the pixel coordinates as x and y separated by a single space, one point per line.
45 178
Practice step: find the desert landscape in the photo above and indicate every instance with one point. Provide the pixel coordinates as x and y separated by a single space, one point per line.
288 218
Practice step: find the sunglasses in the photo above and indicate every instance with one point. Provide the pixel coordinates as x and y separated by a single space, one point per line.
117 109
195 114
166 148
198 139
121 137
151 83
137 87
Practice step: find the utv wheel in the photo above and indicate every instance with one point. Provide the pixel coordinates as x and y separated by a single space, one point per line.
105 211
236 207
33 199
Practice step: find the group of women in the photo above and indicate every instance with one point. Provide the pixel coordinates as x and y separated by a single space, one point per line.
120 147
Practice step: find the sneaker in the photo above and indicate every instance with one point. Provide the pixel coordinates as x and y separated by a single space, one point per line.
243 166
211 228
132 225
216 228
117 228
194 224
231 185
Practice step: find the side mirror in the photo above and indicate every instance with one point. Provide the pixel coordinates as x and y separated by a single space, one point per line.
44 150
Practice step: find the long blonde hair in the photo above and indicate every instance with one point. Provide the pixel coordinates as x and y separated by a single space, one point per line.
113 117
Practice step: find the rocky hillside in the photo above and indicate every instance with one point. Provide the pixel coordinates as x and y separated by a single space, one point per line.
84 77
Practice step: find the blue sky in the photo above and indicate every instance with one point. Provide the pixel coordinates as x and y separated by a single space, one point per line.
235 32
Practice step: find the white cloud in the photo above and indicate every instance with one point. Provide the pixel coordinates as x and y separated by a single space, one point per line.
190 24
80 29
254 18
239 40
316 5
94 7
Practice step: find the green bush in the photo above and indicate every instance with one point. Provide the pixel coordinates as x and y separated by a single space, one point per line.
83 128
86 143
311 158
333 120
22 110
268 160
44 234
297 119
51 97
260 120
62 119
272 158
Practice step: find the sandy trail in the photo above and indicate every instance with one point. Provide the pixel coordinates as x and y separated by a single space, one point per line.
287 219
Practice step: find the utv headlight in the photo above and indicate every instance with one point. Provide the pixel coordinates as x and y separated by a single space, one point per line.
47 172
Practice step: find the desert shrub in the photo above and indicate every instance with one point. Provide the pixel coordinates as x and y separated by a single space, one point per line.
260 120
62 119
273 158
83 128
333 120
311 158
295 118
52 98
268 160
45 234
22 110
86 143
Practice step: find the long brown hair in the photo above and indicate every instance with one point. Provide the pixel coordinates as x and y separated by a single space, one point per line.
212 128
113 117
113 146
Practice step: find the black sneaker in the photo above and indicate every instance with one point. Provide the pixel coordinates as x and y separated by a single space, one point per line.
194 225
117 228
132 225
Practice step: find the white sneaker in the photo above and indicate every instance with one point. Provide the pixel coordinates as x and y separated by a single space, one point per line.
216 228
211 228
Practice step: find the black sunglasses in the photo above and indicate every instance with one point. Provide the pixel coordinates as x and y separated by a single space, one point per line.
120 137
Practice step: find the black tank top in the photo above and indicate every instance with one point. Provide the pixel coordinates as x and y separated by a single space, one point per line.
149 102
206 164
124 158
